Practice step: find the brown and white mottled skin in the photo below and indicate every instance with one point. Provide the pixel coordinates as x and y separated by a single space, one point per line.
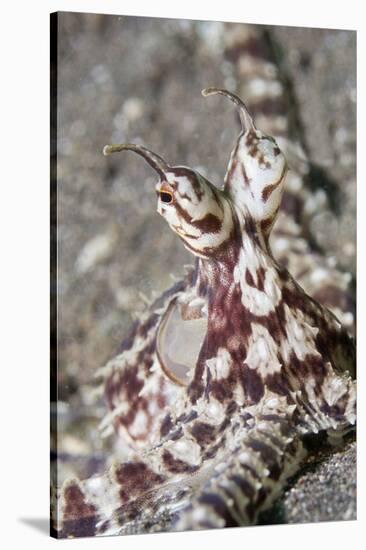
263 80
217 386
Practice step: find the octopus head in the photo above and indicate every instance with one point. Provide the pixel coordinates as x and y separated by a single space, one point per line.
256 172
199 213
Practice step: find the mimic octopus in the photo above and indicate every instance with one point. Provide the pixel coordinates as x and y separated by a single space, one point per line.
216 389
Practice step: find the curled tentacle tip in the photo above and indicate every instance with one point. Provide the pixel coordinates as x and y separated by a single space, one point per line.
212 90
155 161
118 147
246 119
208 91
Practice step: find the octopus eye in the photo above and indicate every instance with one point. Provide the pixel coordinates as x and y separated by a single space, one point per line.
166 196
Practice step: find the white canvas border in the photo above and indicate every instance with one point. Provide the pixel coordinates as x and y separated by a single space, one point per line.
24 246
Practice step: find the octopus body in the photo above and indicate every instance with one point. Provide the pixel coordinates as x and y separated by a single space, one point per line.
217 386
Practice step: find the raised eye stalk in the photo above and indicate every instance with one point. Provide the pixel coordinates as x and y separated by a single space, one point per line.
246 119
155 161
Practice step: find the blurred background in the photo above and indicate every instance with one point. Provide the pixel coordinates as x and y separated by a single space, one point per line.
139 80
